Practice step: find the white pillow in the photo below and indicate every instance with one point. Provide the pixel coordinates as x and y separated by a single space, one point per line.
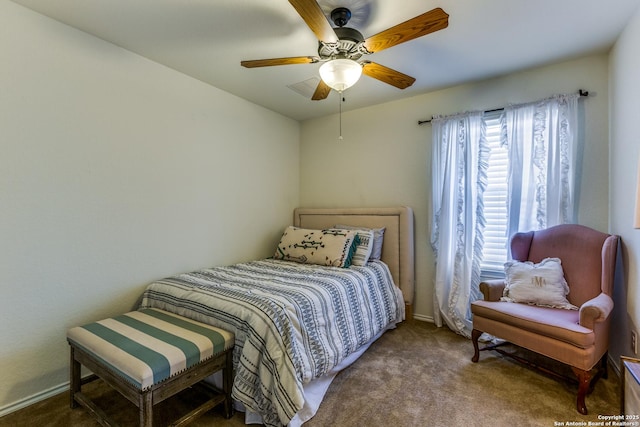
323 247
540 284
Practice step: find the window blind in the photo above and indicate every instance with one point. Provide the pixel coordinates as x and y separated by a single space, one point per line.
495 201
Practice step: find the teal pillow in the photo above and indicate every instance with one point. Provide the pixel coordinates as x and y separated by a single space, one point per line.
378 238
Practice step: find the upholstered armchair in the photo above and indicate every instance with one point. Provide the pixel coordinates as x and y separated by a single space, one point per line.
578 338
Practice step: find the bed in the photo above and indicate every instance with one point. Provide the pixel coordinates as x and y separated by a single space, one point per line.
298 324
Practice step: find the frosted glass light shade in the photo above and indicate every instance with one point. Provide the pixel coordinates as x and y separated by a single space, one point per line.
340 74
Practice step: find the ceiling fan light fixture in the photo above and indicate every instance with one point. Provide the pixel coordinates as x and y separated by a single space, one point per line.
340 74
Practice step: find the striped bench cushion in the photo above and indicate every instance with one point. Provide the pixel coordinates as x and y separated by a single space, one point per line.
148 346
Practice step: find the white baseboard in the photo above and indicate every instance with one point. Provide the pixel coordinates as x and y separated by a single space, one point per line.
35 398
422 318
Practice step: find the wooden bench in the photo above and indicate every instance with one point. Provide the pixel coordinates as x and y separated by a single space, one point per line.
149 356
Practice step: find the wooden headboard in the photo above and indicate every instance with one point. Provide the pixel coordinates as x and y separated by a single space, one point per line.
398 246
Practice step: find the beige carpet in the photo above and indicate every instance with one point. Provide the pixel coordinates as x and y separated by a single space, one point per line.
415 375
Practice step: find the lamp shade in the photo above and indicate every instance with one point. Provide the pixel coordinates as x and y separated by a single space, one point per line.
340 74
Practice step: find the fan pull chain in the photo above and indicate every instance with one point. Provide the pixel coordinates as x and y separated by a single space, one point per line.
340 101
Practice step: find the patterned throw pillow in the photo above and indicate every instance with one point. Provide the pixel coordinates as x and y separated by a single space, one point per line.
323 247
363 248
378 238
540 284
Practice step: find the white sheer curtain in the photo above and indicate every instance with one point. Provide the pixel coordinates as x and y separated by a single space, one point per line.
542 144
459 167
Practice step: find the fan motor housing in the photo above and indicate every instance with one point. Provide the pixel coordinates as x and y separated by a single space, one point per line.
348 45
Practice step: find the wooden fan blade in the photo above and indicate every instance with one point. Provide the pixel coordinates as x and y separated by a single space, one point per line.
322 91
387 75
429 22
278 61
312 14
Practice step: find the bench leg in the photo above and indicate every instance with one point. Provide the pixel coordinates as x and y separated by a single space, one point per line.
75 382
145 408
227 384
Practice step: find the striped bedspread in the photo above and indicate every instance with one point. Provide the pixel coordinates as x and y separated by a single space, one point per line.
292 322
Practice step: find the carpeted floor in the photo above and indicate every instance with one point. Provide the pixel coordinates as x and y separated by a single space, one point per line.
415 375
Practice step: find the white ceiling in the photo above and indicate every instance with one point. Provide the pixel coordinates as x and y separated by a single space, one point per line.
207 39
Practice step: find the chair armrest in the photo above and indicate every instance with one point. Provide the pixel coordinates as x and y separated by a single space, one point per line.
595 310
492 289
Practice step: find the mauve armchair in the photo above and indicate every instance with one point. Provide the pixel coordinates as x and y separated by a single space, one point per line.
578 338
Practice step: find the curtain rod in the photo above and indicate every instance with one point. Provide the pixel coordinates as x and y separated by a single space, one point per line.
581 92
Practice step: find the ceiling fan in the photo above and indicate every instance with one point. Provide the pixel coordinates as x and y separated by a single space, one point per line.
341 48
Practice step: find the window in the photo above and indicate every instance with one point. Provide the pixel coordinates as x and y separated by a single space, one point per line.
495 201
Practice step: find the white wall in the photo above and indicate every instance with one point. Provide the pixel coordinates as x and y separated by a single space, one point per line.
115 171
385 156
625 152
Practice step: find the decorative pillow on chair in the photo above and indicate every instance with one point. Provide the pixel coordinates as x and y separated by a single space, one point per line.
323 247
540 284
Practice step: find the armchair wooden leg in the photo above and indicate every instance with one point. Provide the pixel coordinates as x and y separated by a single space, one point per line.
604 365
475 335
584 380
